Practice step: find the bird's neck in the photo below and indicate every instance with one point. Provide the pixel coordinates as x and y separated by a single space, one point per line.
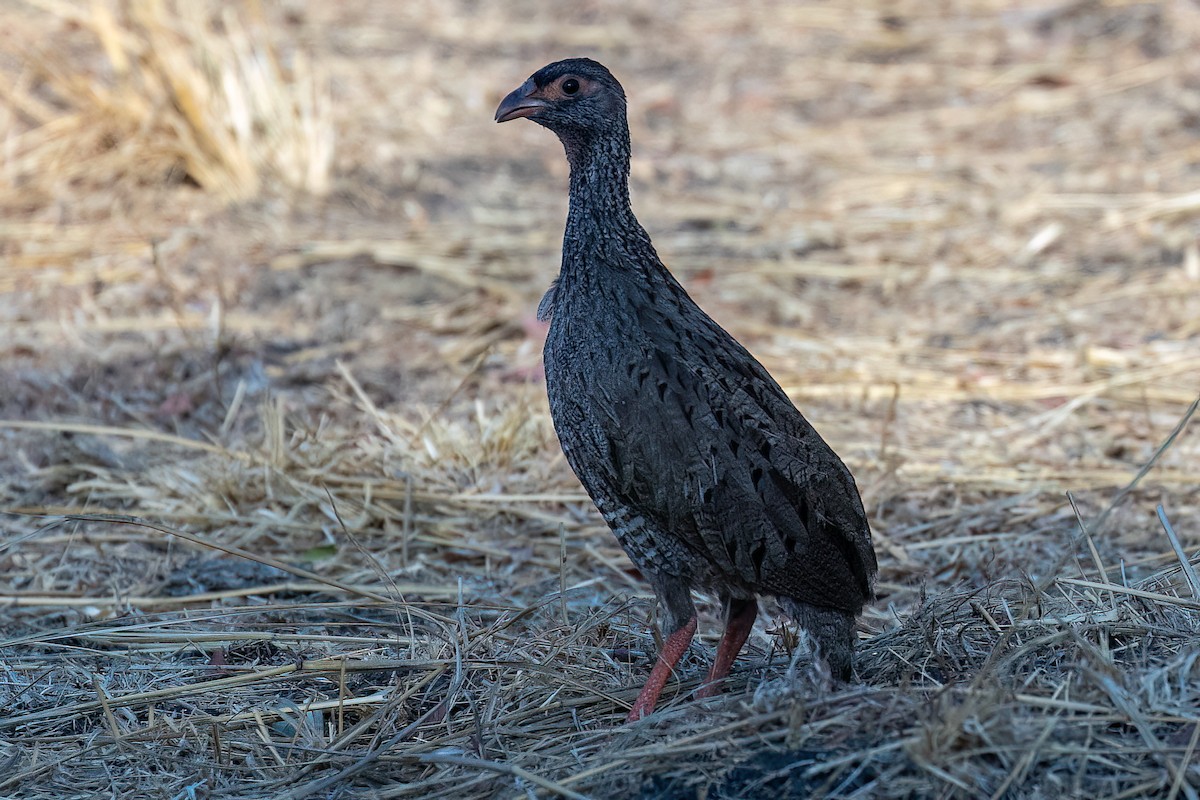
601 226
600 182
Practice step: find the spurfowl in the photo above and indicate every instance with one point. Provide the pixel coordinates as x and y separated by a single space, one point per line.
703 468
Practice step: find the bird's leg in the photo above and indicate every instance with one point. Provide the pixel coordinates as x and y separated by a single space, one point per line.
673 649
739 621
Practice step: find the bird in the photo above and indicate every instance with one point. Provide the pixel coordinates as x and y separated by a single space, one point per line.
707 474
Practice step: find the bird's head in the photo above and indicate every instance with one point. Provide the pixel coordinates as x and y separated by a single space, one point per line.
578 99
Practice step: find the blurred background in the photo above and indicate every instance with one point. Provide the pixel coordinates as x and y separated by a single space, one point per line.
268 273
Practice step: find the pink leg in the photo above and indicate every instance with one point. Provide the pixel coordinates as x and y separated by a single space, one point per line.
673 650
737 629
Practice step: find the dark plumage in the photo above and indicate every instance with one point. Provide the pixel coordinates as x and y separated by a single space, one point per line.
703 468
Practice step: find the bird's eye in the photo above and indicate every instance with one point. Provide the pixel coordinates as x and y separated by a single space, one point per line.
570 86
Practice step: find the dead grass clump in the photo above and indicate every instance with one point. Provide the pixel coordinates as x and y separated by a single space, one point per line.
189 88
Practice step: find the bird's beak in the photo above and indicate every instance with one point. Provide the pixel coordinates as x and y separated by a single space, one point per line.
519 103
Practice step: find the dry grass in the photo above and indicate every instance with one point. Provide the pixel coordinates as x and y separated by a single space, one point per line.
203 96
285 516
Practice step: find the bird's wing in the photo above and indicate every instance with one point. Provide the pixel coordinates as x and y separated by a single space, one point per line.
712 451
